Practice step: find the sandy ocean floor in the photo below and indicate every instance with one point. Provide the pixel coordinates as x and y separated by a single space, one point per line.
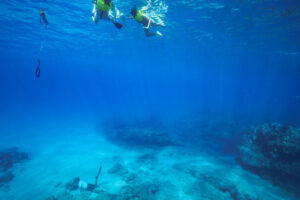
60 155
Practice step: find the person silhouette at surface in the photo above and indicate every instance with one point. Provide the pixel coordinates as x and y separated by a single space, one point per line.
38 69
43 18
102 10
140 17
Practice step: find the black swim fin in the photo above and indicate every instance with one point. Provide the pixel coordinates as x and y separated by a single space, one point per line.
118 25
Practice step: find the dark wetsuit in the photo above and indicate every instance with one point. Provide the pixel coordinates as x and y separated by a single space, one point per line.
43 16
145 21
38 70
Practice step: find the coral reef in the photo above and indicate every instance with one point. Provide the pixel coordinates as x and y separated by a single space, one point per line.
272 150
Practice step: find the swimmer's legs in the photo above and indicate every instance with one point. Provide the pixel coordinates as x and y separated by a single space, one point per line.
148 34
118 25
105 15
151 23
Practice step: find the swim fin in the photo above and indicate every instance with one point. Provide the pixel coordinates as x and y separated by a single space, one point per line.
158 33
118 25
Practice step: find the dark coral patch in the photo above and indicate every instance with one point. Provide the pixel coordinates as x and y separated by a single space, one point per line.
8 158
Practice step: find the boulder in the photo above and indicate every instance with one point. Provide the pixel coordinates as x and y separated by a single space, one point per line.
51 198
65 195
136 133
129 177
103 195
6 178
116 168
73 184
143 191
11 156
8 158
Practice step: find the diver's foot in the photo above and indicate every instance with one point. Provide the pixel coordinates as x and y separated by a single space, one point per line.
118 14
118 25
158 33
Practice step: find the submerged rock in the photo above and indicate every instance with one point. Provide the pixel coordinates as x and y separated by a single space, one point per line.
136 133
103 195
272 151
144 191
8 158
146 158
58 184
129 177
11 156
73 184
66 195
6 178
116 168
51 198
214 185
215 132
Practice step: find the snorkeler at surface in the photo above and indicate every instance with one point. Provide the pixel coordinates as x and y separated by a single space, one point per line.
38 70
146 21
43 17
101 10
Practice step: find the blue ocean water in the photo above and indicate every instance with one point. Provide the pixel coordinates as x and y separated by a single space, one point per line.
235 62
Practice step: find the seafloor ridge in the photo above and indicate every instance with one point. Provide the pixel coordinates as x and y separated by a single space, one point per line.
142 159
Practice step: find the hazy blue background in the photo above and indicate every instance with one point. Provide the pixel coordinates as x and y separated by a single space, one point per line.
234 58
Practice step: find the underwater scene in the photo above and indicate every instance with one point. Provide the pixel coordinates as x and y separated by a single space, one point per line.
150 100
